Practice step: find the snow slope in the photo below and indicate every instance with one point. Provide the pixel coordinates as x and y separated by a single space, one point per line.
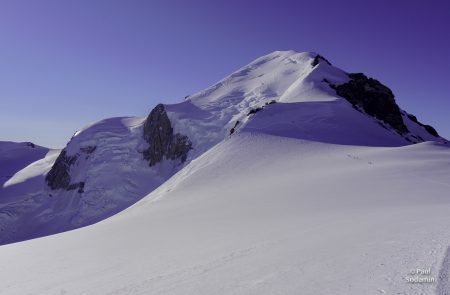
261 214
14 156
306 105
22 169
115 174
284 93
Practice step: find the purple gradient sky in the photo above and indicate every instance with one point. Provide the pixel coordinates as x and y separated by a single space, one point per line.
64 63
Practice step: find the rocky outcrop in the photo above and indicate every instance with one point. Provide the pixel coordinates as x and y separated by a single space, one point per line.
88 149
373 98
317 60
163 143
258 109
254 111
232 130
59 176
428 128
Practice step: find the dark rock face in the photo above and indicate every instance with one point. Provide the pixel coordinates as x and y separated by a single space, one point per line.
232 130
59 176
413 118
158 132
254 111
77 185
431 130
317 60
428 128
374 98
89 149
258 109
179 147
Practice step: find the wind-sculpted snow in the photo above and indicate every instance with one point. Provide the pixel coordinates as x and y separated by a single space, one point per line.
100 172
324 121
261 214
109 165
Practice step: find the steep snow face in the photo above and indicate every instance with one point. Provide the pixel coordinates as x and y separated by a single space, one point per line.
283 76
332 122
108 162
307 106
261 214
106 159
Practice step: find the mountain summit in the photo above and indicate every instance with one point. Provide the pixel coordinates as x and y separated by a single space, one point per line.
110 165
316 101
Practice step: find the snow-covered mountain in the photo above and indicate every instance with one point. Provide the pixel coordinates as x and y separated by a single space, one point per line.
261 214
110 165
288 175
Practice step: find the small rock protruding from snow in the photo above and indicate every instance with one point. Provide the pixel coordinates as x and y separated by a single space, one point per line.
319 58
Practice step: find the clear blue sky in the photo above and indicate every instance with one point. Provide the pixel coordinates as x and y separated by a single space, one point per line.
64 63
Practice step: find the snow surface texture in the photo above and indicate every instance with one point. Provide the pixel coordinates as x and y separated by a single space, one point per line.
115 175
288 187
259 214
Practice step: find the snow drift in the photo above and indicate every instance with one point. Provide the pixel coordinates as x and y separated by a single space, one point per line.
290 174
259 214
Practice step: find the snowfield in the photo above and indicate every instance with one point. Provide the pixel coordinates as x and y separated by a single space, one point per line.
260 214
288 189
16 156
